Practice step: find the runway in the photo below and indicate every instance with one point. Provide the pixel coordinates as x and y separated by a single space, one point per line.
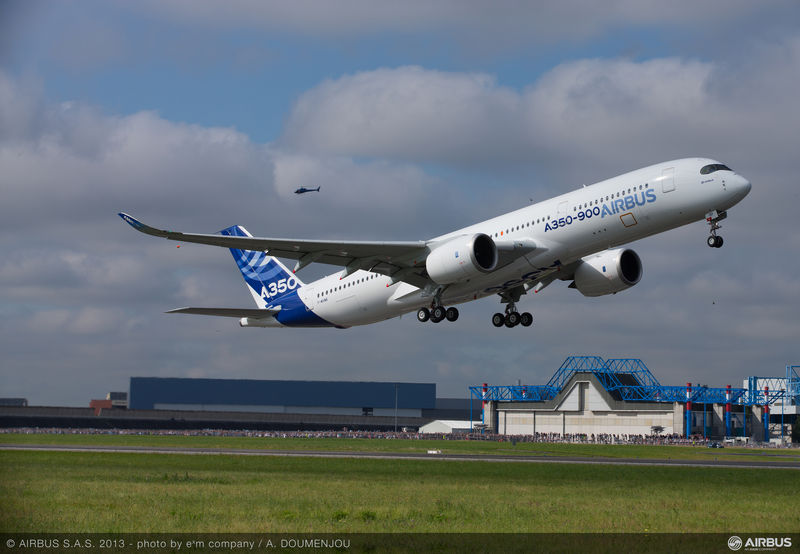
526 458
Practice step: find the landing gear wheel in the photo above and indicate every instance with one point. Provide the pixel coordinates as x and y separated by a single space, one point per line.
438 314
713 218
512 319
423 315
526 319
498 320
451 314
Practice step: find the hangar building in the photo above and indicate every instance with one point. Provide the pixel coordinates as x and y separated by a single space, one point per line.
591 396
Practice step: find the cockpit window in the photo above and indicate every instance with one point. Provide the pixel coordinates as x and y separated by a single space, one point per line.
712 168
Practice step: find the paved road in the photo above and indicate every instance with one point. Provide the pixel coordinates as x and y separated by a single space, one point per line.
527 458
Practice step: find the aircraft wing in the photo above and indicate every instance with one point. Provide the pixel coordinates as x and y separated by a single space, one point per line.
406 260
228 312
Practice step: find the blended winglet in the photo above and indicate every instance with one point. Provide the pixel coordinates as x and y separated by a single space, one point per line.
141 227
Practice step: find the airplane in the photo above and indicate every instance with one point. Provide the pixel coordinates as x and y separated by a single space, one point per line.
578 237
302 190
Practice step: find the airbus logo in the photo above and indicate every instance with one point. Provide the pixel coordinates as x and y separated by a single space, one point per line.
628 202
612 207
759 543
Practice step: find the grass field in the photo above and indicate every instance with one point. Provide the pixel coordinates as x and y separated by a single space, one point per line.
413 446
129 492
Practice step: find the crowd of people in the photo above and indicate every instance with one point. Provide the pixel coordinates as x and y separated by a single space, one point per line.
603 438
606 438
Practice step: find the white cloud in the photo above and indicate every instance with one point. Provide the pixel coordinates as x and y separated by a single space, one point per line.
588 114
408 113
504 23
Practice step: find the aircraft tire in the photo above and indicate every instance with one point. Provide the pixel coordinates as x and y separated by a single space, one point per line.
451 314
526 319
423 315
718 242
512 319
438 314
712 241
498 319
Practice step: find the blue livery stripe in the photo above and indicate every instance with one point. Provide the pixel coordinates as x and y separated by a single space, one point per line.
270 281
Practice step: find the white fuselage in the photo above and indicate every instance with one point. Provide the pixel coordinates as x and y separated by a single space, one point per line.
591 219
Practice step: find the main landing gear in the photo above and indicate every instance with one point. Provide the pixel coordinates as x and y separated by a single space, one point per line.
713 219
437 314
512 318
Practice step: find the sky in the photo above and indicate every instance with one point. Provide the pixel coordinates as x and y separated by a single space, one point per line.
416 118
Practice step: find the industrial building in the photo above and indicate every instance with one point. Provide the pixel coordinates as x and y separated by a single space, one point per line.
283 397
591 396
183 403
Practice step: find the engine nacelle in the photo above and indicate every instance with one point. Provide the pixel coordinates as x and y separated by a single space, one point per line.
462 258
608 272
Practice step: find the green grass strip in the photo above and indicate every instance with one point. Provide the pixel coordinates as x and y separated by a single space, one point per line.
127 492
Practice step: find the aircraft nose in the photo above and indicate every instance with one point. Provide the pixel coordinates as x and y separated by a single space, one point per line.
742 186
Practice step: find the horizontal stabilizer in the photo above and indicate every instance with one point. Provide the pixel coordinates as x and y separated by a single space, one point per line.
228 312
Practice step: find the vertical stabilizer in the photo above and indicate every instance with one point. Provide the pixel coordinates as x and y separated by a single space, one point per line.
266 277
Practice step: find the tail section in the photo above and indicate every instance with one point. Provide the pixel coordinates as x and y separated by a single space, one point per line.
267 278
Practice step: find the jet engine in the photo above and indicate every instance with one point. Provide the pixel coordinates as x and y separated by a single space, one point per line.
607 272
462 258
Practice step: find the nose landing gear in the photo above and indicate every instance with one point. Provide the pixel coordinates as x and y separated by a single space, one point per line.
713 219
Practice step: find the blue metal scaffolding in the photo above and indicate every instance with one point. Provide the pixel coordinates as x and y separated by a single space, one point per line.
630 380
793 383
